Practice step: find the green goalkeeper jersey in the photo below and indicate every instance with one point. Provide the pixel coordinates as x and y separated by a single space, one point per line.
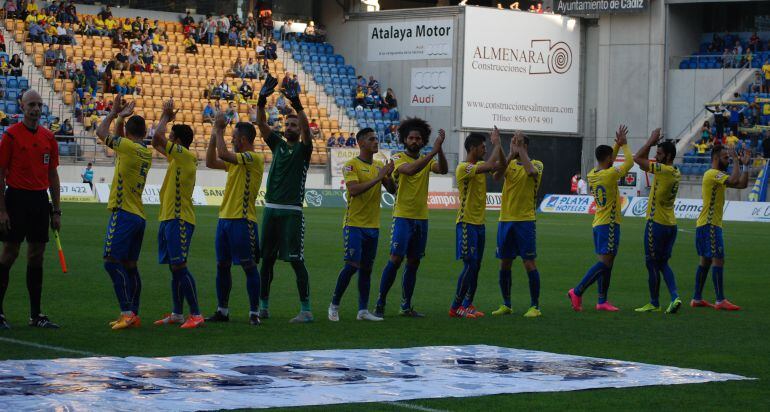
288 171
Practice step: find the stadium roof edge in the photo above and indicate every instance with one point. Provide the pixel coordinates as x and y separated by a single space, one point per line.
401 13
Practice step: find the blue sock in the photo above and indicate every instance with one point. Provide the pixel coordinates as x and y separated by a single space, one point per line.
475 281
505 286
408 284
534 288
594 273
470 280
252 285
653 282
460 289
388 277
604 285
668 277
177 297
700 280
136 291
364 284
188 289
718 279
121 284
224 285
343 280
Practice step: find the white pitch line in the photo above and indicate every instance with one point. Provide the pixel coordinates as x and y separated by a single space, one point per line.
414 407
48 347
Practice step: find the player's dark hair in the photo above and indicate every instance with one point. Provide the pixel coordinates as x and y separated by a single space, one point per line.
716 150
669 149
135 126
414 124
363 132
246 131
603 152
184 133
473 140
291 116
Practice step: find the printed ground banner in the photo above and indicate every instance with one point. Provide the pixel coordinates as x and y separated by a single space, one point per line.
320 377
150 195
76 192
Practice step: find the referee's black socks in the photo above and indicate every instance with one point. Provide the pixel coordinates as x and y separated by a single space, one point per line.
35 289
4 275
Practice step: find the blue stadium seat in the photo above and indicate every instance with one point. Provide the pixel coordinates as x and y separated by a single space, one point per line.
336 80
683 65
369 114
338 91
360 115
11 95
2 82
328 48
378 115
328 89
12 107
339 101
351 71
348 101
339 59
13 82
314 58
23 83
325 70
350 112
323 58
362 123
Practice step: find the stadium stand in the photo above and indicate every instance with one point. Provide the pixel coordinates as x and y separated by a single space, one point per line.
729 51
172 73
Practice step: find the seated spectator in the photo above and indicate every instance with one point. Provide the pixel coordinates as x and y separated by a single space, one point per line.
271 51
705 131
231 114
190 46
237 68
251 69
50 55
16 65
332 141
253 112
5 69
224 91
374 84
246 90
120 84
60 69
360 96
134 62
66 129
260 49
369 99
233 39
55 126
2 42
208 113
212 90
341 141
283 108
314 130
732 140
62 37
361 82
131 85
11 12
351 142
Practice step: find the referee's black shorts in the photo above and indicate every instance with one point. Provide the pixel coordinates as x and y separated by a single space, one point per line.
29 212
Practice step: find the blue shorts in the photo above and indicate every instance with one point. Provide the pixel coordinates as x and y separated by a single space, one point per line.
174 238
237 241
516 239
470 241
360 245
606 240
708 242
125 232
408 237
658 240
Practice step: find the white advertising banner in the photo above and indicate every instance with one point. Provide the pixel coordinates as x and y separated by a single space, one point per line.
521 71
733 211
683 208
431 86
320 377
747 212
151 194
76 192
579 204
410 40
340 155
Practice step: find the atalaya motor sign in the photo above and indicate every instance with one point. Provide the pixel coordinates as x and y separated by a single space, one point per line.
410 40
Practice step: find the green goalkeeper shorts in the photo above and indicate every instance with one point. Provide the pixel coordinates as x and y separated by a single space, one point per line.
283 234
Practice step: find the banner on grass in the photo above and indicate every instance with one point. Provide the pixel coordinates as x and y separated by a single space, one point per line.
76 192
150 195
321 377
683 208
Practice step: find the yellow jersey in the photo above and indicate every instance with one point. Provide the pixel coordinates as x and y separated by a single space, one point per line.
363 209
133 161
520 192
604 187
412 194
132 81
665 185
177 189
766 70
243 182
701 147
473 193
731 140
713 192
120 81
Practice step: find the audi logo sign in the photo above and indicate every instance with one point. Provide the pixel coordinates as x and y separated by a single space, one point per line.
431 86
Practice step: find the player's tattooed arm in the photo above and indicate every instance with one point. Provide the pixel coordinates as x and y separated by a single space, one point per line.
642 156
442 166
491 165
223 153
621 142
118 108
159 140
212 161
739 178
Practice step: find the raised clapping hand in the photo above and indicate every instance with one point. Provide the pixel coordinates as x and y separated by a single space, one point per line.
439 141
621 136
495 136
220 122
168 109
268 87
386 170
655 137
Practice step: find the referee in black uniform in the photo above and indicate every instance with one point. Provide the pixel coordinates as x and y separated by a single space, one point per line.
29 157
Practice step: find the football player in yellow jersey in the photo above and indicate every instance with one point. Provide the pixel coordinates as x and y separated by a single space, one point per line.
470 232
237 240
177 217
708 233
125 230
516 228
364 177
603 180
409 232
660 230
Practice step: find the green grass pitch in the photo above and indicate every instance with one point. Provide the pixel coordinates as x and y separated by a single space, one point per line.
83 302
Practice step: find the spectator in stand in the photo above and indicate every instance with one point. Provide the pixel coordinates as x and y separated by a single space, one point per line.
251 69
351 142
701 147
189 45
360 96
55 126
10 9
314 130
735 117
208 113
369 99
719 118
705 131
374 84
134 62
66 128
273 115
732 140
283 108
132 83
60 69
121 84
187 19
121 59
62 37
766 72
223 28
5 68
341 141
246 90
231 114
2 42
224 90
332 141
89 69
50 55
37 34
271 51
361 82
233 39
253 113
237 68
